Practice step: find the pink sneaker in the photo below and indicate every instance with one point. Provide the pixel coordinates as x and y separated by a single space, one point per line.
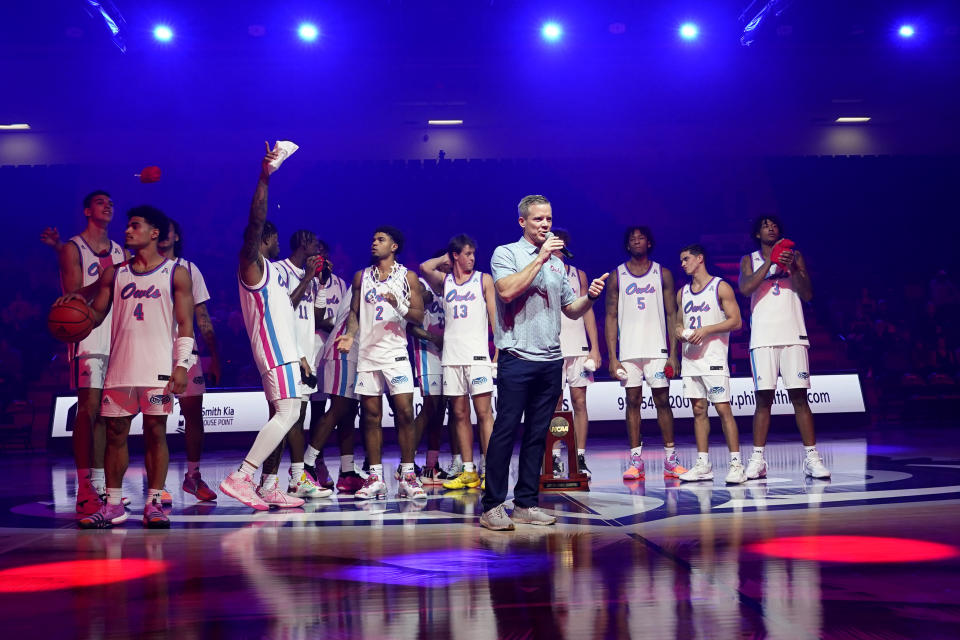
194 485
107 516
88 500
349 482
672 468
240 486
635 470
276 498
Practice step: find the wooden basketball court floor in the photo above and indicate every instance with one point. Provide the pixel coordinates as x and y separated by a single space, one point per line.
872 553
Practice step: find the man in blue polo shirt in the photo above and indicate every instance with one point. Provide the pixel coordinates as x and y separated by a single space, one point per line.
532 291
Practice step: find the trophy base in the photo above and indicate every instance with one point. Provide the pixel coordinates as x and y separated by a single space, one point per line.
549 483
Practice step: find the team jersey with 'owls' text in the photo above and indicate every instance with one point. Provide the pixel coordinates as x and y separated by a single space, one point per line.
465 322
640 317
93 264
776 311
702 309
383 331
269 318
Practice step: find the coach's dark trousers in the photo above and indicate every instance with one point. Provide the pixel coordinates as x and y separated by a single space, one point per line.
523 386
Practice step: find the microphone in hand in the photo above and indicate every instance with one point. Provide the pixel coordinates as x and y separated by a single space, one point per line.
566 252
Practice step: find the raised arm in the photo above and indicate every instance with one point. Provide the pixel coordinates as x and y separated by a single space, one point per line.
584 303
750 279
610 323
670 307
309 269
512 286
251 262
435 270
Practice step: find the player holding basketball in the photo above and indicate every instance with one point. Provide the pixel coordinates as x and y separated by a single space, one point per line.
191 400
778 340
580 347
82 260
269 318
641 309
385 296
469 309
149 295
710 313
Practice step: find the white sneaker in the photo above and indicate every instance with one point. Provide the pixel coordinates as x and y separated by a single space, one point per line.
373 487
700 471
813 466
736 474
410 487
756 468
284 149
274 497
304 488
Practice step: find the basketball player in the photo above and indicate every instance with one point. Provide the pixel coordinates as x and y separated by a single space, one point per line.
298 275
710 313
578 344
191 400
427 346
385 296
641 309
332 290
269 318
778 341
469 309
338 375
82 260
148 294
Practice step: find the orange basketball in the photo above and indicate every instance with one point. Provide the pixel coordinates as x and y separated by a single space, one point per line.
71 321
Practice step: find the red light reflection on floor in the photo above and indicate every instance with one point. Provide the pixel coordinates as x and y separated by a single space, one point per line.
854 549
76 573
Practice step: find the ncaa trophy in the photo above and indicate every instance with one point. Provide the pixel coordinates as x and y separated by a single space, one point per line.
560 430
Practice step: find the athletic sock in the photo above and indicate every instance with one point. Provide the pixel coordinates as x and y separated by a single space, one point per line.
269 481
247 468
581 452
703 456
296 470
735 457
115 496
97 477
407 467
809 450
670 452
757 452
469 466
377 469
193 467
482 464
310 456
433 458
636 451
458 460
346 463
155 495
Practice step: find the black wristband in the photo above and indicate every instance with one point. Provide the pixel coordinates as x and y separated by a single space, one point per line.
590 297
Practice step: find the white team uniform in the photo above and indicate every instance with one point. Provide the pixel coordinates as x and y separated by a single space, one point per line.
778 333
304 314
142 343
196 385
331 296
88 358
426 354
705 371
338 371
573 341
382 360
269 318
466 350
642 327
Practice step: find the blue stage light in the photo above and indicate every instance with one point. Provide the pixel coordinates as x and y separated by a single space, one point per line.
551 31
906 31
689 31
163 33
308 32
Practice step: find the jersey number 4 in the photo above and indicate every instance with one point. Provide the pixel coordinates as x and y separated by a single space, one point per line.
138 311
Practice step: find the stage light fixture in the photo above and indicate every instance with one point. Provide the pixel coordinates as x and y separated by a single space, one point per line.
308 32
14 127
689 31
444 123
906 31
852 119
551 31
163 33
